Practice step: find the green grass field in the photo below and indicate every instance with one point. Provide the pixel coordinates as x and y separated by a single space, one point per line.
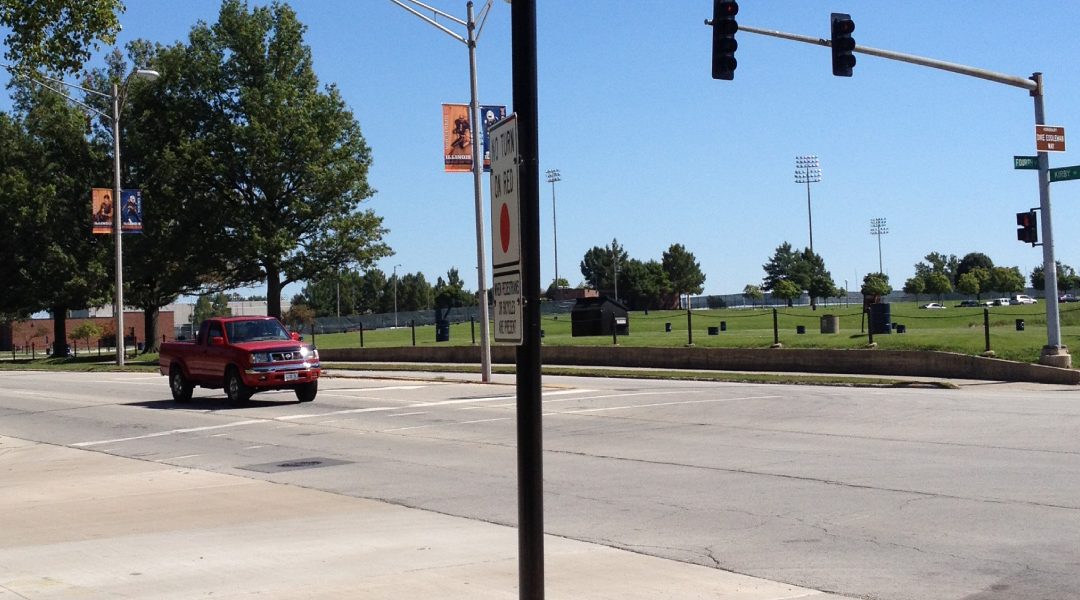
951 330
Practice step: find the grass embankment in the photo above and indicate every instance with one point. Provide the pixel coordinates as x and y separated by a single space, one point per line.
951 330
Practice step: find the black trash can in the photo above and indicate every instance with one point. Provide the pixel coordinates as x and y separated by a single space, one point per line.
714 330
880 318
667 327
800 329
1019 324
723 325
442 331
901 329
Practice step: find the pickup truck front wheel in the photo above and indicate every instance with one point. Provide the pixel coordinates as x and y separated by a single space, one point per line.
307 391
235 389
179 385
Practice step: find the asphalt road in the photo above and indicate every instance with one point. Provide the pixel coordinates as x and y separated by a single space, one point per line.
878 493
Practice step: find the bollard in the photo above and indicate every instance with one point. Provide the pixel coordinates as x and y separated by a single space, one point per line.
472 328
361 335
986 327
689 325
775 328
412 324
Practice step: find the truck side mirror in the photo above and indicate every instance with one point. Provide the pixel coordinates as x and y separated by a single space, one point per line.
217 340
296 337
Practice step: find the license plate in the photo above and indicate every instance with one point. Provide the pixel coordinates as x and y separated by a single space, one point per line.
291 376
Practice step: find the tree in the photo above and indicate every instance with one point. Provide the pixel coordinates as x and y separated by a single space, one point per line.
787 290
550 293
973 260
373 296
938 263
292 164
810 273
1067 279
752 293
57 35
969 284
938 283
86 332
1006 280
780 267
414 293
298 316
643 285
683 271
206 307
599 265
452 293
60 264
915 286
876 284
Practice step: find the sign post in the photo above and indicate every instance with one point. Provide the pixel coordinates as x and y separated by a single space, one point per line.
506 233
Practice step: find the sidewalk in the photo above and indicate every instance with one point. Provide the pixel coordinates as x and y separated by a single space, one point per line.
82 524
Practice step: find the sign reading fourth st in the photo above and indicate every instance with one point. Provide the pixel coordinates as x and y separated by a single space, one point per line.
506 233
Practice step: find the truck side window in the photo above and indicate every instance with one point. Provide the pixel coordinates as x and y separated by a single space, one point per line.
215 331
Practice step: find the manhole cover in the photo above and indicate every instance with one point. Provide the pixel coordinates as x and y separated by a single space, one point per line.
295 465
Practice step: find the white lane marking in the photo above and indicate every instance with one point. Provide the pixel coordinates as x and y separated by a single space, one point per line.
600 397
178 457
444 424
255 447
370 409
379 389
164 433
656 404
408 414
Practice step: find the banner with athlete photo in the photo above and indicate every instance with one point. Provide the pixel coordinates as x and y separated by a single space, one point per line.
490 115
457 138
102 207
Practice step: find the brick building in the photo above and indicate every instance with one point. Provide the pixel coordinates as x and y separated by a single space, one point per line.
38 333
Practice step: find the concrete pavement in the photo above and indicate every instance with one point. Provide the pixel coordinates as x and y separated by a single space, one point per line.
83 524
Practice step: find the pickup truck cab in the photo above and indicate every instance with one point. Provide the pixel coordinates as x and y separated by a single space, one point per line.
243 355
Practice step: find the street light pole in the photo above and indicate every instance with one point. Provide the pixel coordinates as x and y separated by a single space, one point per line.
553 175
879 228
395 295
472 29
808 170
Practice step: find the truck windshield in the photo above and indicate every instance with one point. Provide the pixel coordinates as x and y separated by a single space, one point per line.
255 331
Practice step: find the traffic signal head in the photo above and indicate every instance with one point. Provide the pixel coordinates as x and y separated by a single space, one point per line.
1027 227
723 37
843 45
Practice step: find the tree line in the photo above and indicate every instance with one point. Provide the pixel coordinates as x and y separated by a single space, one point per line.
251 171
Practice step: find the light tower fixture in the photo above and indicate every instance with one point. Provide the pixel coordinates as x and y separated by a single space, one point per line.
808 170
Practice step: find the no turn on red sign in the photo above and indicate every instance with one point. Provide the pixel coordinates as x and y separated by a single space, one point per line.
506 232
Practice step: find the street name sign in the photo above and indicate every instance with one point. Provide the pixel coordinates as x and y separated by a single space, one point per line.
1026 162
1049 138
506 233
1065 173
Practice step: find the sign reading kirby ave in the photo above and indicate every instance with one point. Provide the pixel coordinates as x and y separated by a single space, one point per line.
506 233
1049 139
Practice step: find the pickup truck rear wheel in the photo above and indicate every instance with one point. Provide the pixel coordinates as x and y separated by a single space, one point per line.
306 392
235 389
179 385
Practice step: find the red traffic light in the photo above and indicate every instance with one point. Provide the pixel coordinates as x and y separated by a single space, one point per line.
727 9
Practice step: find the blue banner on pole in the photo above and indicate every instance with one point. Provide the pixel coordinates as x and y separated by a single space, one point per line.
490 115
131 211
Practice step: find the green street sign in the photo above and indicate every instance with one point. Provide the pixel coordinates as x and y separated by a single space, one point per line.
1065 173
1025 162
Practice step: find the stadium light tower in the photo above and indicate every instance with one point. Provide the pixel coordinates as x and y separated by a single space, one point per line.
879 228
808 170
553 175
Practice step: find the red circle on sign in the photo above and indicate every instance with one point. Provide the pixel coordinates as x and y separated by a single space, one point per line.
504 228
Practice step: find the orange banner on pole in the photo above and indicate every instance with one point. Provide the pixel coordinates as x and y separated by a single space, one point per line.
457 138
102 207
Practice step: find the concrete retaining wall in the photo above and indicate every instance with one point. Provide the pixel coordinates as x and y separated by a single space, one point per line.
862 362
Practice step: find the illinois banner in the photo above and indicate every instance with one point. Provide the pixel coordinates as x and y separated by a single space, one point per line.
490 115
457 138
102 207
131 211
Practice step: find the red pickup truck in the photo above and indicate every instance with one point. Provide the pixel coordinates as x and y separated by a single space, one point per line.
244 355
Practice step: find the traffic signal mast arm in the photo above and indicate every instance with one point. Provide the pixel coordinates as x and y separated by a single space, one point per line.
1013 80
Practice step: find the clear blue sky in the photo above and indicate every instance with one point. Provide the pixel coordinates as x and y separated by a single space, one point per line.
654 152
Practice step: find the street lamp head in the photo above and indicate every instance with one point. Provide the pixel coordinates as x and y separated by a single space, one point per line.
553 175
146 74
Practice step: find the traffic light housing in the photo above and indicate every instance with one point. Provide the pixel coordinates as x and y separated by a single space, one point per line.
843 45
723 39
1027 224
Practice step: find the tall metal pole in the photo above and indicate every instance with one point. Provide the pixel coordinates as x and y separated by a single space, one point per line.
395 296
118 307
478 193
529 430
809 216
553 175
879 228
808 170
1053 323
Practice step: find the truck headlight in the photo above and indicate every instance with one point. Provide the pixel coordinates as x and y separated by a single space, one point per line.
260 357
306 353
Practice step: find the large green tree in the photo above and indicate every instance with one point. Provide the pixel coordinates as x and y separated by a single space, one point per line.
780 267
643 285
1067 279
451 292
599 266
57 35
683 271
293 164
936 262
